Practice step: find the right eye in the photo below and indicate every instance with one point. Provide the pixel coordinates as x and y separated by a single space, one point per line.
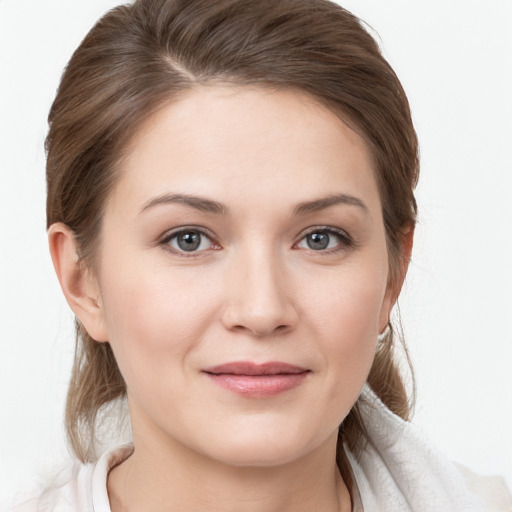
188 241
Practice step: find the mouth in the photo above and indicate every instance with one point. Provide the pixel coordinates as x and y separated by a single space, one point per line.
257 380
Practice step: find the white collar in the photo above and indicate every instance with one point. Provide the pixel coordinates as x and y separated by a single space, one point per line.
399 471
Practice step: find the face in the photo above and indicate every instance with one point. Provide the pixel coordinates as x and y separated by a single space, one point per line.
243 274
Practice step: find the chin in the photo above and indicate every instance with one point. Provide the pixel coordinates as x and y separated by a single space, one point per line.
259 456
266 447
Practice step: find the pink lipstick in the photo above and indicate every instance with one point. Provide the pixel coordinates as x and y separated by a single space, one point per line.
257 380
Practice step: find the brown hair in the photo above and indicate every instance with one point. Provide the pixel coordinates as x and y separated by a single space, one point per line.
138 57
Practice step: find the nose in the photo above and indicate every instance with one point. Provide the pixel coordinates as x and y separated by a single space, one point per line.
259 296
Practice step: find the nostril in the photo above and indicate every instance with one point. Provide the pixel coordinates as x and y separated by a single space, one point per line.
260 333
259 311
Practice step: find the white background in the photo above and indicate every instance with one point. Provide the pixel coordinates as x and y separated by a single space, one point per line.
454 58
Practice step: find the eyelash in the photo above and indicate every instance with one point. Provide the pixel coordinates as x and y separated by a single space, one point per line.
345 241
165 241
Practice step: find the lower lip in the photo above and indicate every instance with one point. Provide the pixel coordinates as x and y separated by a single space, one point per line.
258 386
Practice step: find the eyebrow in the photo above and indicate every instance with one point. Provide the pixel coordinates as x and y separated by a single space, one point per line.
209 206
199 203
326 202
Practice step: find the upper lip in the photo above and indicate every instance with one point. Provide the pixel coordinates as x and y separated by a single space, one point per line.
250 368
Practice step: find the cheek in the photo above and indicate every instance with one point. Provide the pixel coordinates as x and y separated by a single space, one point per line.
155 318
348 303
345 318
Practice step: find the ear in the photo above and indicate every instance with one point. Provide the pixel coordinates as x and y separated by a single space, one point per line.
395 286
77 281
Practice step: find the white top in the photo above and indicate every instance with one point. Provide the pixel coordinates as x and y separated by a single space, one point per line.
397 472
400 471
79 487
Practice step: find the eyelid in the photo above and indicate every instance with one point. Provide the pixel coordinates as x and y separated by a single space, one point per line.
169 235
346 240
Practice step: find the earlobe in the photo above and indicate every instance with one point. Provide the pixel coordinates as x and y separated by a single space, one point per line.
76 280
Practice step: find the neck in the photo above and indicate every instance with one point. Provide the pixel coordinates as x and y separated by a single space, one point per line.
170 477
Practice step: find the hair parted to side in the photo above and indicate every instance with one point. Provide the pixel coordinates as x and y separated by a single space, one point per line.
139 57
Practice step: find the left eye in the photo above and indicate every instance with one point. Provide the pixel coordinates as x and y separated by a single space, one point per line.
190 240
323 239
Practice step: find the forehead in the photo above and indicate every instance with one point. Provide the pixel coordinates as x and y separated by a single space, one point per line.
239 143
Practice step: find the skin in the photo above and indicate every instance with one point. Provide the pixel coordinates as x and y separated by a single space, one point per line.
255 290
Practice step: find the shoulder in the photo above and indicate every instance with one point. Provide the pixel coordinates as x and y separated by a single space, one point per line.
400 469
491 490
77 487
68 490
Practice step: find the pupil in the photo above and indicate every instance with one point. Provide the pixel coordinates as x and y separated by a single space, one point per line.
318 240
189 241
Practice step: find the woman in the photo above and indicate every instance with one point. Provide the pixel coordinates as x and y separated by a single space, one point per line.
230 215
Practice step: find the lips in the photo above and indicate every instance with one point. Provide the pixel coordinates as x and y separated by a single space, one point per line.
257 380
